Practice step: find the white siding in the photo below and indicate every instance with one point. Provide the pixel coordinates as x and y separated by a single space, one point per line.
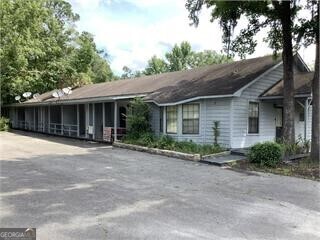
197 138
218 110
299 125
239 135
210 110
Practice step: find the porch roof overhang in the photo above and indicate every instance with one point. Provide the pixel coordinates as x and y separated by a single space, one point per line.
280 97
302 87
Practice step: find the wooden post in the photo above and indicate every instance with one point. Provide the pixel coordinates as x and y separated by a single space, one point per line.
61 119
115 121
34 118
103 120
49 119
306 108
93 121
164 121
78 121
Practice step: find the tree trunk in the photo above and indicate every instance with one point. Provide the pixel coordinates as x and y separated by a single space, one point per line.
315 145
288 83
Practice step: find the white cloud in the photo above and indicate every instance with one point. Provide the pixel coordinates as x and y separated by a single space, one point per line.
131 41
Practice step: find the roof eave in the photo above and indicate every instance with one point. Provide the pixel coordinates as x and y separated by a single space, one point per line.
190 100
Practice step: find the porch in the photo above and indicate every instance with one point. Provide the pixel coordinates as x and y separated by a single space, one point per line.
93 121
302 118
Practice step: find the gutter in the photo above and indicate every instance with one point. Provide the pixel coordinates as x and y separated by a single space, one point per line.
281 97
190 100
74 101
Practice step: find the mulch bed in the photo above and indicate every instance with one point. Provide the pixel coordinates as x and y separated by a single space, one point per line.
303 168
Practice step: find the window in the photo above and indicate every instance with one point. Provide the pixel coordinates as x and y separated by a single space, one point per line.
190 119
171 119
253 117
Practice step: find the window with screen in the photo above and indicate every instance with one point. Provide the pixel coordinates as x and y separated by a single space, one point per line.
171 119
253 117
190 118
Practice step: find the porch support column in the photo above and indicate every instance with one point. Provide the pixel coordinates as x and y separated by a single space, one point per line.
49 119
94 120
34 118
86 108
103 120
78 121
306 108
115 121
164 121
61 119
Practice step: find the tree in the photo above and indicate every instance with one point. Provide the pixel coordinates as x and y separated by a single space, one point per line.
179 57
207 57
155 66
278 15
308 31
41 50
129 73
182 57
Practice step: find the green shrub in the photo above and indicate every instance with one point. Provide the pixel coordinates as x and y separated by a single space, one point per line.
165 142
300 146
138 118
4 124
266 154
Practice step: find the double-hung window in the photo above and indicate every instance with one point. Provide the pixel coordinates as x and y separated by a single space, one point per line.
253 120
171 119
190 118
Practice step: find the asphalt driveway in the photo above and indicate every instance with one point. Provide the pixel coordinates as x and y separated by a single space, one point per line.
69 189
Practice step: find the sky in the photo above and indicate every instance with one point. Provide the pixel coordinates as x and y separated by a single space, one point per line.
132 31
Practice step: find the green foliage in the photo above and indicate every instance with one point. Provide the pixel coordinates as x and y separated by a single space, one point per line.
155 66
41 50
129 73
180 57
166 142
216 131
138 118
300 146
260 15
266 154
4 124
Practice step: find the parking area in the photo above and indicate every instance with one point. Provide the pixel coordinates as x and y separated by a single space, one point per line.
71 189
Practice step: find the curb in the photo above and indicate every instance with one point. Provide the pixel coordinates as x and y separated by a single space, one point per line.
168 153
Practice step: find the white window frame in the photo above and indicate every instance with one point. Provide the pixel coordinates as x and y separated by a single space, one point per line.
199 110
176 107
248 122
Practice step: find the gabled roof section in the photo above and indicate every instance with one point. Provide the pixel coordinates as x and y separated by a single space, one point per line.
302 86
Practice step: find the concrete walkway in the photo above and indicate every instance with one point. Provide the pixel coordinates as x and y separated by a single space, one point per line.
70 189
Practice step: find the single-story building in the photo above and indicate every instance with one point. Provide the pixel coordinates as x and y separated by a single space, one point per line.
244 96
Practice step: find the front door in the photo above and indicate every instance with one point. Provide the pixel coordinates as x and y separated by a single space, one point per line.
279 122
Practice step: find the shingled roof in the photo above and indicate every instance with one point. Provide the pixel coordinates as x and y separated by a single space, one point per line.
302 85
212 80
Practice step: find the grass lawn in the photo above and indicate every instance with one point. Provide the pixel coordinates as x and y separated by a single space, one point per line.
304 168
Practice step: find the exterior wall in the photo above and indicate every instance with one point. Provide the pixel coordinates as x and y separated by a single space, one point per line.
299 125
218 110
210 110
240 137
